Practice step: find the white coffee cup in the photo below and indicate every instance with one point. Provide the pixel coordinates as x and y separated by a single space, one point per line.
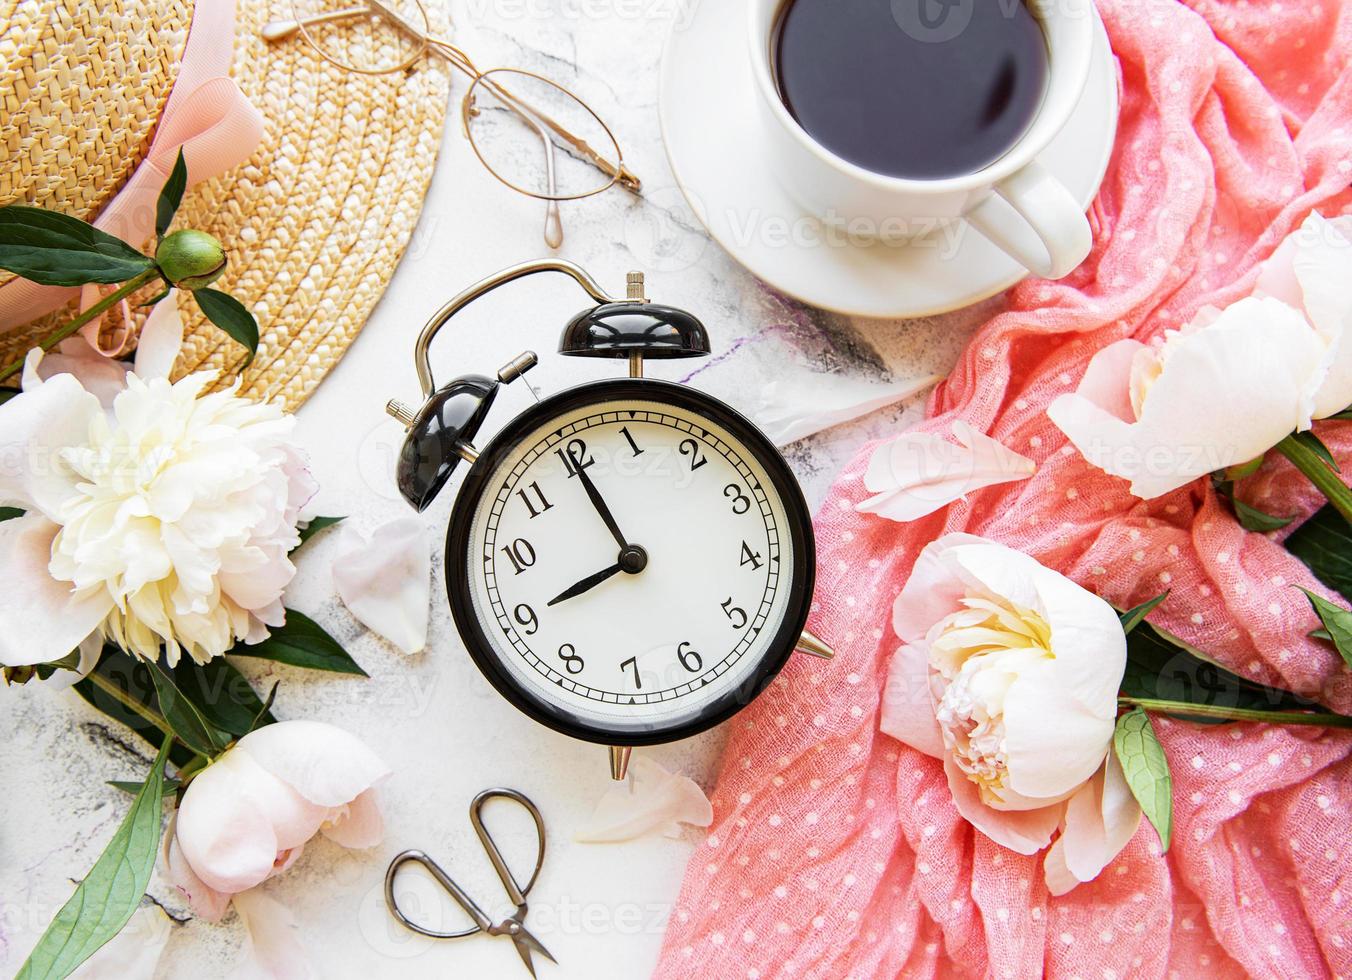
1044 229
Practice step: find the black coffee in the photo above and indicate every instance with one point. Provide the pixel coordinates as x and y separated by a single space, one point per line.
911 88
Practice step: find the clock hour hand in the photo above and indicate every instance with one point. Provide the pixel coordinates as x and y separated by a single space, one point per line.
633 559
588 583
597 501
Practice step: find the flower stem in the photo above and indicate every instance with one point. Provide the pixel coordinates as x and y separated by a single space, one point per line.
61 333
127 701
1317 718
1317 471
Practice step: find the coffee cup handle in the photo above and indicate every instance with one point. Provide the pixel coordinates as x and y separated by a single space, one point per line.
1060 237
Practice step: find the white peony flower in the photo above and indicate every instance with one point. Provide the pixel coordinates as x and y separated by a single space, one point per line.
1009 674
248 815
1222 391
165 520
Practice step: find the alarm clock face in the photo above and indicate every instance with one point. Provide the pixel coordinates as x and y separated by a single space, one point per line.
630 562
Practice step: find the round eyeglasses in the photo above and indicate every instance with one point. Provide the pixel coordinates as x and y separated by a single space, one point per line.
530 132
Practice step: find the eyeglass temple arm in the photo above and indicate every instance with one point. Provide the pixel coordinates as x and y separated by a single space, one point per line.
424 343
621 173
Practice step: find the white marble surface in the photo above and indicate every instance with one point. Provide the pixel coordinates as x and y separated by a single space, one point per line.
601 909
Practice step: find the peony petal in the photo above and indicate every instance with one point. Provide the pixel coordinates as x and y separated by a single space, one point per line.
101 376
386 581
43 619
1053 740
206 902
919 472
236 817
1107 379
161 339
90 649
789 412
359 824
933 590
1229 391
273 950
134 952
323 763
34 427
1322 264
1024 831
908 707
650 801
1100 819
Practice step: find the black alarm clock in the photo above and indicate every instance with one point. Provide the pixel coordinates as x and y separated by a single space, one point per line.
629 561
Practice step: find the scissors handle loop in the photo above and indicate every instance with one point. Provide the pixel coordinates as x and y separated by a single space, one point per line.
516 893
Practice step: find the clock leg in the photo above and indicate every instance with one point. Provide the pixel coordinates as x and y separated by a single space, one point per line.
807 643
619 761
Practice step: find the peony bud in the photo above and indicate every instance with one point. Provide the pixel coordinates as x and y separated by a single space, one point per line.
190 259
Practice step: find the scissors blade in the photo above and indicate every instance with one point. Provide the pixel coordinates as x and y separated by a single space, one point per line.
525 942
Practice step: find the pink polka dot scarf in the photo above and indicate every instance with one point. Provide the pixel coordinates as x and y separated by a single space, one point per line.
836 850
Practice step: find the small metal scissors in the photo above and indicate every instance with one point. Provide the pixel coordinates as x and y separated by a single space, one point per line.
514 926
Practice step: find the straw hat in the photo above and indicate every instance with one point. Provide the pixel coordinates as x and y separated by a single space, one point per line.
314 221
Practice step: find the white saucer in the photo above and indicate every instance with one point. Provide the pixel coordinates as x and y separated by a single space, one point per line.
711 132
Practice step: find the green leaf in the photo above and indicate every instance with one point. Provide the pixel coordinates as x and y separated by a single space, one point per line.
1343 416
1313 443
1324 543
1134 616
110 893
220 692
171 195
302 642
1320 634
129 677
314 527
230 315
1160 666
185 718
1337 622
57 250
7 393
9 513
264 716
170 786
1147 771
1252 519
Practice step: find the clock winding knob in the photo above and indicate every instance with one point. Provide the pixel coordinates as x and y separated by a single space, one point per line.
400 412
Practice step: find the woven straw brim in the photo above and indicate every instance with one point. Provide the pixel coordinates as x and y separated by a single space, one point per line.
317 219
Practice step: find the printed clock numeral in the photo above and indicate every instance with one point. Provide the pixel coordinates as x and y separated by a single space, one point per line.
633 662
521 553
525 616
571 661
630 439
749 557
525 494
574 456
741 503
689 447
735 614
689 659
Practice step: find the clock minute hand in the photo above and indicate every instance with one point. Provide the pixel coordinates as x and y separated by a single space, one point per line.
597 501
588 583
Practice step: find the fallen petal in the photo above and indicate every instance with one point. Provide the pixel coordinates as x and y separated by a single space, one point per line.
920 472
789 412
273 949
134 952
386 581
650 801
